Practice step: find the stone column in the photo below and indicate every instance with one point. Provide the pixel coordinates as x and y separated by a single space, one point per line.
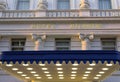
39 41
84 4
85 40
42 5
3 5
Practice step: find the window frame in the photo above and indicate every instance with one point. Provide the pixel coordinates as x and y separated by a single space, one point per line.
17 6
64 9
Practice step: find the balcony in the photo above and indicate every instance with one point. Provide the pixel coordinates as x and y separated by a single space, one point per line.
59 13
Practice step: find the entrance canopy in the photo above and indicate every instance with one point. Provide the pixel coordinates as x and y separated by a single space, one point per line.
60 65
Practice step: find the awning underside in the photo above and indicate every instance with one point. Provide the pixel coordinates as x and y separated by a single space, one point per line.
60 65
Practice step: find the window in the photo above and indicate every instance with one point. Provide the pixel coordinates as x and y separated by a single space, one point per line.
23 4
62 43
104 4
17 44
63 4
108 43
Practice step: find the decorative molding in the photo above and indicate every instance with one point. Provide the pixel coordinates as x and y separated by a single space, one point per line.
84 4
86 36
42 5
38 37
3 5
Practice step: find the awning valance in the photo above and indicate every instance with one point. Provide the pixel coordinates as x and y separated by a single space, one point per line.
55 56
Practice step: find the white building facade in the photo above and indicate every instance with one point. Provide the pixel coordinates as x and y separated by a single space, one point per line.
28 25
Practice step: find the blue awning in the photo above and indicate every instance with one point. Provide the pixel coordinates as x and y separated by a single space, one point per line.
72 56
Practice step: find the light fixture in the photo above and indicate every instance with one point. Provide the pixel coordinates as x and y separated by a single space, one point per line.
105 69
23 75
25 64
42 64
87 72
73 75
86 75
73 72
14 69
101 72
50 77
93 64
59 68
46 72
44 68
109 64
9 65
60 72
38 77
96 77
75 64
58 64
89 68
27 77
61 77
32 72
29 68
74 68
19 72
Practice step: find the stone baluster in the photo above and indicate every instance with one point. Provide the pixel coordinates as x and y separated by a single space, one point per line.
85 40
39 41
42 5
84 4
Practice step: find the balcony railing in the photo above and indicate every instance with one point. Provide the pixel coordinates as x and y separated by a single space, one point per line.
59 13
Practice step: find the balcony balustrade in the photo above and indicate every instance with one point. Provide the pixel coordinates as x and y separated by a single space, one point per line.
59 13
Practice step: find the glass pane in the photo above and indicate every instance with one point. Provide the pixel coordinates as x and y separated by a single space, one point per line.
104 4
23 4
63 4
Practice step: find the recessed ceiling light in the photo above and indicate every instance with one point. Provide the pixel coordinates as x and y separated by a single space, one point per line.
74 68
89 68
38 77
73 72
44 68
84 77
46 72
58 64
14 69
29 68
24 75
27 77
61 77
9 65
50 77
93 64
99 75
32 72
105 69
25 64
60 72
19 72
87 72
72 77
42 64
59 68
109 64
75 64
96 77
101 72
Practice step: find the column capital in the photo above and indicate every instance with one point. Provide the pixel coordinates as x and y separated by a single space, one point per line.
38 37
42 5
84 4
3 5
86 36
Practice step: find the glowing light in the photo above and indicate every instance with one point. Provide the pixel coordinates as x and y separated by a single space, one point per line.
84 77
9 65
19 72
93 64
25 64
89 68
87 72
24 75
50 77
73 72
44 68
101 72
75 64
38 77
27 77
58 64
60 72
61 77
29 68
42 64
46 72
32 72
74 68
99 75
59 68
14 69
72 77
96 77
109 64
105 69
